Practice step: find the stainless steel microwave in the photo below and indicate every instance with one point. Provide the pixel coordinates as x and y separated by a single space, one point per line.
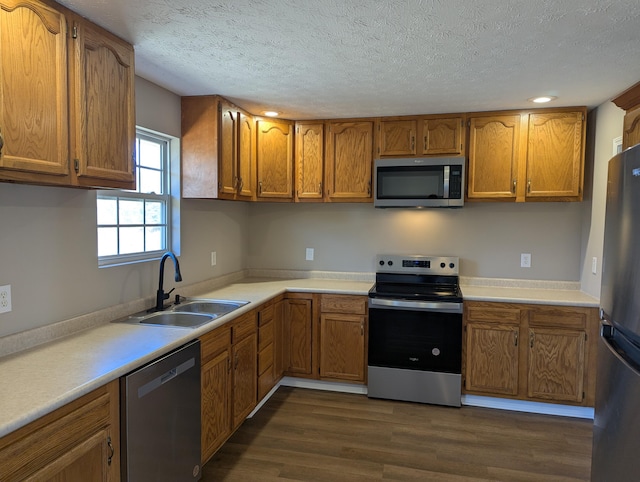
428 182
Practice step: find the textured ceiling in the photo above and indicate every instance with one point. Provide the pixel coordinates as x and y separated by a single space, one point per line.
340 58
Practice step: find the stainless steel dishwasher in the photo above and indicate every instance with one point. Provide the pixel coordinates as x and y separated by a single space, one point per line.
160 418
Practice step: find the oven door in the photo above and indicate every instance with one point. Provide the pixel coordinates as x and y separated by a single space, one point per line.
415 354
415 339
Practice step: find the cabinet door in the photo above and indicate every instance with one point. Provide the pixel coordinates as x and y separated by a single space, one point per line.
555 158
342 346
103 110
274 159
556 364
309 161
349 161
297 337
631 130
492 358
246 156
442 136
397 138
244 378
33 93
75 443
216 413
494 154
227 151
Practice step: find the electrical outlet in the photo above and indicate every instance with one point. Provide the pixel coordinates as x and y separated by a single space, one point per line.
213 258
594 265
525 260
309 254
5 299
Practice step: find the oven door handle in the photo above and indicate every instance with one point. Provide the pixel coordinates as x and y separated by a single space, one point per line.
441 307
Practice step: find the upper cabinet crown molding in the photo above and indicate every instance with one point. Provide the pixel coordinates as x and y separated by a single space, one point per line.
629 100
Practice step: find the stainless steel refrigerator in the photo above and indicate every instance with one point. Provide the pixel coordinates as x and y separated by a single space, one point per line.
616 434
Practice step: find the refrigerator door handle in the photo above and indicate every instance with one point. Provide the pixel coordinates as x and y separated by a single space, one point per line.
607 334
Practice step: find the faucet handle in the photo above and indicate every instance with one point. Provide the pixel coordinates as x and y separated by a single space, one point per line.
166 295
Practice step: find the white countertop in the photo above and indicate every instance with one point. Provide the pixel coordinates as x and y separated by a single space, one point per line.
41 379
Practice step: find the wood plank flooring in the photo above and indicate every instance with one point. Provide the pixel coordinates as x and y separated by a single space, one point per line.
311 435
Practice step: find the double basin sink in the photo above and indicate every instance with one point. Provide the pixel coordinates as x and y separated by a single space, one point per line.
190 313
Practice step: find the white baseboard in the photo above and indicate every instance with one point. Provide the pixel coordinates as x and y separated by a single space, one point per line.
468 400
527 406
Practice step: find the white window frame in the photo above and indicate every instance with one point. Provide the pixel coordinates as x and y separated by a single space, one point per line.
167 198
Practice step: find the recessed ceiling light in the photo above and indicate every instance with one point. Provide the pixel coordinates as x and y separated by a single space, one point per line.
542 99
271 113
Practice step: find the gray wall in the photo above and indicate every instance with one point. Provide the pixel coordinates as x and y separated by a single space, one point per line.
488 237
48 235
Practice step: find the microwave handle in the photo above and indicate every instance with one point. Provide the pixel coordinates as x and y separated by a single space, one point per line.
446 182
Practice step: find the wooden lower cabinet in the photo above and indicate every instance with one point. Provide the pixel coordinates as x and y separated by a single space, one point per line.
298 335
268 346
530 352
343 330
78 442
215 385
244 359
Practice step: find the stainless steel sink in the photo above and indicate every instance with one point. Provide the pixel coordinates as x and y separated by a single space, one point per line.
211 307
172 318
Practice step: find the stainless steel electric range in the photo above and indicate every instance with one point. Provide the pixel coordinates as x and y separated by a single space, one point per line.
415 330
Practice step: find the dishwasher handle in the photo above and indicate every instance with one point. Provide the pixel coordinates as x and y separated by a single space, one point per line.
167 376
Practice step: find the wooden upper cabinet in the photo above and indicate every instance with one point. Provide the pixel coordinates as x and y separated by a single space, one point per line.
555 155
349 161
274 159
442 136
218 149
421 136
397 137
309 161
103 112
33 93
527 155
246 156
228 151
236 166
494 155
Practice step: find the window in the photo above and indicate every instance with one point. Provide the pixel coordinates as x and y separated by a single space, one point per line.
136 225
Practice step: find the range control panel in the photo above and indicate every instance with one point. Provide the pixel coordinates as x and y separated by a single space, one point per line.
405 264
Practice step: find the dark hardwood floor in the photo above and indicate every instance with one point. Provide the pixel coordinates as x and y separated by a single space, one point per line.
311 435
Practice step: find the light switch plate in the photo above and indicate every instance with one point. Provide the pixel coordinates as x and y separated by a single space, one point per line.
309 254
525 260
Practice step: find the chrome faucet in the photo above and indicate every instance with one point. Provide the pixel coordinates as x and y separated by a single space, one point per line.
161 295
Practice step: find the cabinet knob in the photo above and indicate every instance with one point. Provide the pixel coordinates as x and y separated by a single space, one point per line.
529 186
320 188
260 187
426 141
531 339
514 186
1 142
515 336
369 188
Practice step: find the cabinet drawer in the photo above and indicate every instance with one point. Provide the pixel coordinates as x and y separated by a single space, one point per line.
266 315
343 304
243 327
265 359
265 335
214 342
487 313
266 381
559 317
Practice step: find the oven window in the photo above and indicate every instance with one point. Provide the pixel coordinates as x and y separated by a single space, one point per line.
406 182
415 340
